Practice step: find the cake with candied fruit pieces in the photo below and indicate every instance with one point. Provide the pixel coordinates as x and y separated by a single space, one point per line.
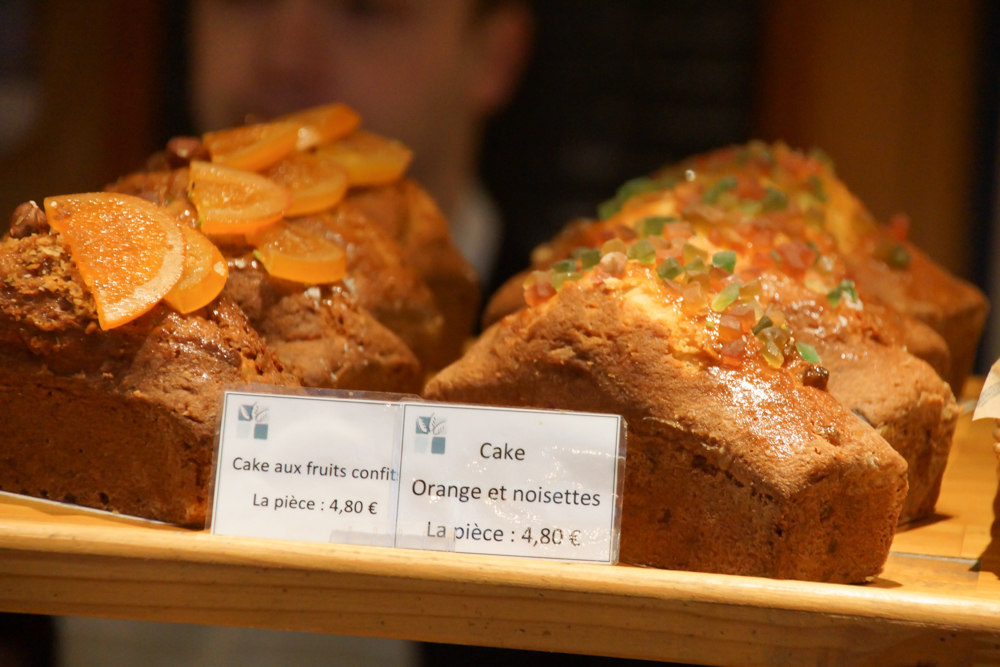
867 347
739 460
403 303
112 396
880 259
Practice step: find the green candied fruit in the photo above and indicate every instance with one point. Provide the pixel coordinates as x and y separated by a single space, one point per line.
808 353
691 252
608 208
772 354
669 269
845 287
774 340
817 188
559 279
820 155
764 323
629 189
696 265
643 251
589 257
653 225
898 257
749 208
774 200
725 260
776 256
725 184
726 297
564 266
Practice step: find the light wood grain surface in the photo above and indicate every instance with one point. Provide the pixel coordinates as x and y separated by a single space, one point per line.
937 602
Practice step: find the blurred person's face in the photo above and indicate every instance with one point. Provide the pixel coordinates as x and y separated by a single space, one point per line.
423 71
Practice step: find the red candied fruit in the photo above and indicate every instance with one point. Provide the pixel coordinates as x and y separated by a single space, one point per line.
539 293
899 227
797 256
757 235
749 187
744 313
798 165
762 260
730 329
732 353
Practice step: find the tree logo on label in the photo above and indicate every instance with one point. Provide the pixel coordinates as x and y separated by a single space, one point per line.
431 433
252 419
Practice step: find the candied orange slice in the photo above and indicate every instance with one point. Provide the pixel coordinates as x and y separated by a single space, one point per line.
324 124
368 158
252 147
130 252
316 184
204 275
232 201
288 251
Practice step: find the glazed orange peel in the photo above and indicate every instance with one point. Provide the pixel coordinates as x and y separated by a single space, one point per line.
252 147
204 276
233 201
368 159
129 252
323 124
132 253
290 251
316 184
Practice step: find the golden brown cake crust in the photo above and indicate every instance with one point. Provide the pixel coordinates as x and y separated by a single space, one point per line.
740 471
869 354
321 334
383 282
123 419
409 215
928 293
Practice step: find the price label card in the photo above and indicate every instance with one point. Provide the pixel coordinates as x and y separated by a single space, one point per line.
487 480
310 468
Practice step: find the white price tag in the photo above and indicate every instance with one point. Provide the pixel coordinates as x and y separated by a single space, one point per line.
988 405
385 471
487 480
306 468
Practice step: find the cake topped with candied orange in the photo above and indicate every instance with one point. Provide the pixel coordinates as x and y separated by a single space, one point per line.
322 211
290 252
112 395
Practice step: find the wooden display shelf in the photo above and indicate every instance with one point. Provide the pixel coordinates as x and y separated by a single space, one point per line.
937 602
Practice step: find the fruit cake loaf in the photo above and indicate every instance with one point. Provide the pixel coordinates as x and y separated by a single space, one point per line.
734 465
324 334
401 263
123 419
910 406
880 259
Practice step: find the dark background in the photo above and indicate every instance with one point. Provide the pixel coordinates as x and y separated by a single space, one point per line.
903 94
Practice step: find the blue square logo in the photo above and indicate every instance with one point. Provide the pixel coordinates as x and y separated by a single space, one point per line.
437 445
260 431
